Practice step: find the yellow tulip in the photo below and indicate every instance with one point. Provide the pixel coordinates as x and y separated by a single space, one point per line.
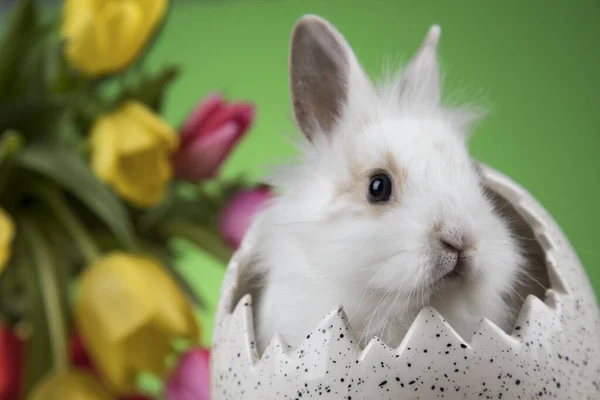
131 151
104 36
7 234
128 313
70 384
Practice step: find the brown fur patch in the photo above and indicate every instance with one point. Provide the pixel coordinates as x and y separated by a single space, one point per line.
357 185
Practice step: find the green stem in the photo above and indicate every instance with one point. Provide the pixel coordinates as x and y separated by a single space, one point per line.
216 201
206 239
150 385
10 143
46 272
82 239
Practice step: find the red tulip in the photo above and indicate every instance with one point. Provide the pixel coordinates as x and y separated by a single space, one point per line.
208 136
78 355
190 379
11 363
237 215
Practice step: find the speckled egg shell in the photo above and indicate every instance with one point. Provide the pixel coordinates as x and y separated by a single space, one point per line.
552 352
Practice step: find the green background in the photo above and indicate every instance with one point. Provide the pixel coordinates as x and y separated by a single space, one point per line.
534 63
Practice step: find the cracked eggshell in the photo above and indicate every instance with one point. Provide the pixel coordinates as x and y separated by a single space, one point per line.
552 352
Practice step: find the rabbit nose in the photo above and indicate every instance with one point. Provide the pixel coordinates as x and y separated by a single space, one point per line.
452 244
450 254
452 249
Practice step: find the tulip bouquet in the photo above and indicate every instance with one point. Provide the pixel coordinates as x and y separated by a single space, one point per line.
94 186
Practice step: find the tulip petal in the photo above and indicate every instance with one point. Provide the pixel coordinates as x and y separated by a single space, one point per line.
128 313
131 150
202 159
193 125
238 214
240 113
77 14
136 183
84 48
70 384
104 146
114 291
208 136
104 36
154 10
146 350
191 378
7 234
173 312
138 112
123 29
112 305
11 362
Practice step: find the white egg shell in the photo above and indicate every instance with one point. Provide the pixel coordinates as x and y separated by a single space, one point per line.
553 351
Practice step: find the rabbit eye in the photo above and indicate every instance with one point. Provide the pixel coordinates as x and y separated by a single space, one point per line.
380 188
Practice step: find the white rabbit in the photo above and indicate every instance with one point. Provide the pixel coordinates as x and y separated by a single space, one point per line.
384 211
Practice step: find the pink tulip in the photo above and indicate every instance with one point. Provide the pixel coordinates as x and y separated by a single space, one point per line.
208 136
237 215
190 379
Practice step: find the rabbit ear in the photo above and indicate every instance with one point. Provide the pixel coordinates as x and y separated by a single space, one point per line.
324 75
420 82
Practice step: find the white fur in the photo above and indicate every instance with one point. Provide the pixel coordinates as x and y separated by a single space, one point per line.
321 250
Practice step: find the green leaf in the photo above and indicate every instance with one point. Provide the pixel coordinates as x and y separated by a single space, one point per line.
46 348
69 170
57 74
33 117
162 253
66 130
50 289
222 190
147 220
61 243
38 353
16 41
199 204
197 210
178 203
15 294
55 66
150 90
81 239
10 143
64 259
205 238
29 78
39 67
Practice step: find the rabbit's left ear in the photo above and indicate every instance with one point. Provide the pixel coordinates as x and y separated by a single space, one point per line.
420 81
326 79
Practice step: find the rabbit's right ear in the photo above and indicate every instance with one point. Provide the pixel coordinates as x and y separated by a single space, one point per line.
324 76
